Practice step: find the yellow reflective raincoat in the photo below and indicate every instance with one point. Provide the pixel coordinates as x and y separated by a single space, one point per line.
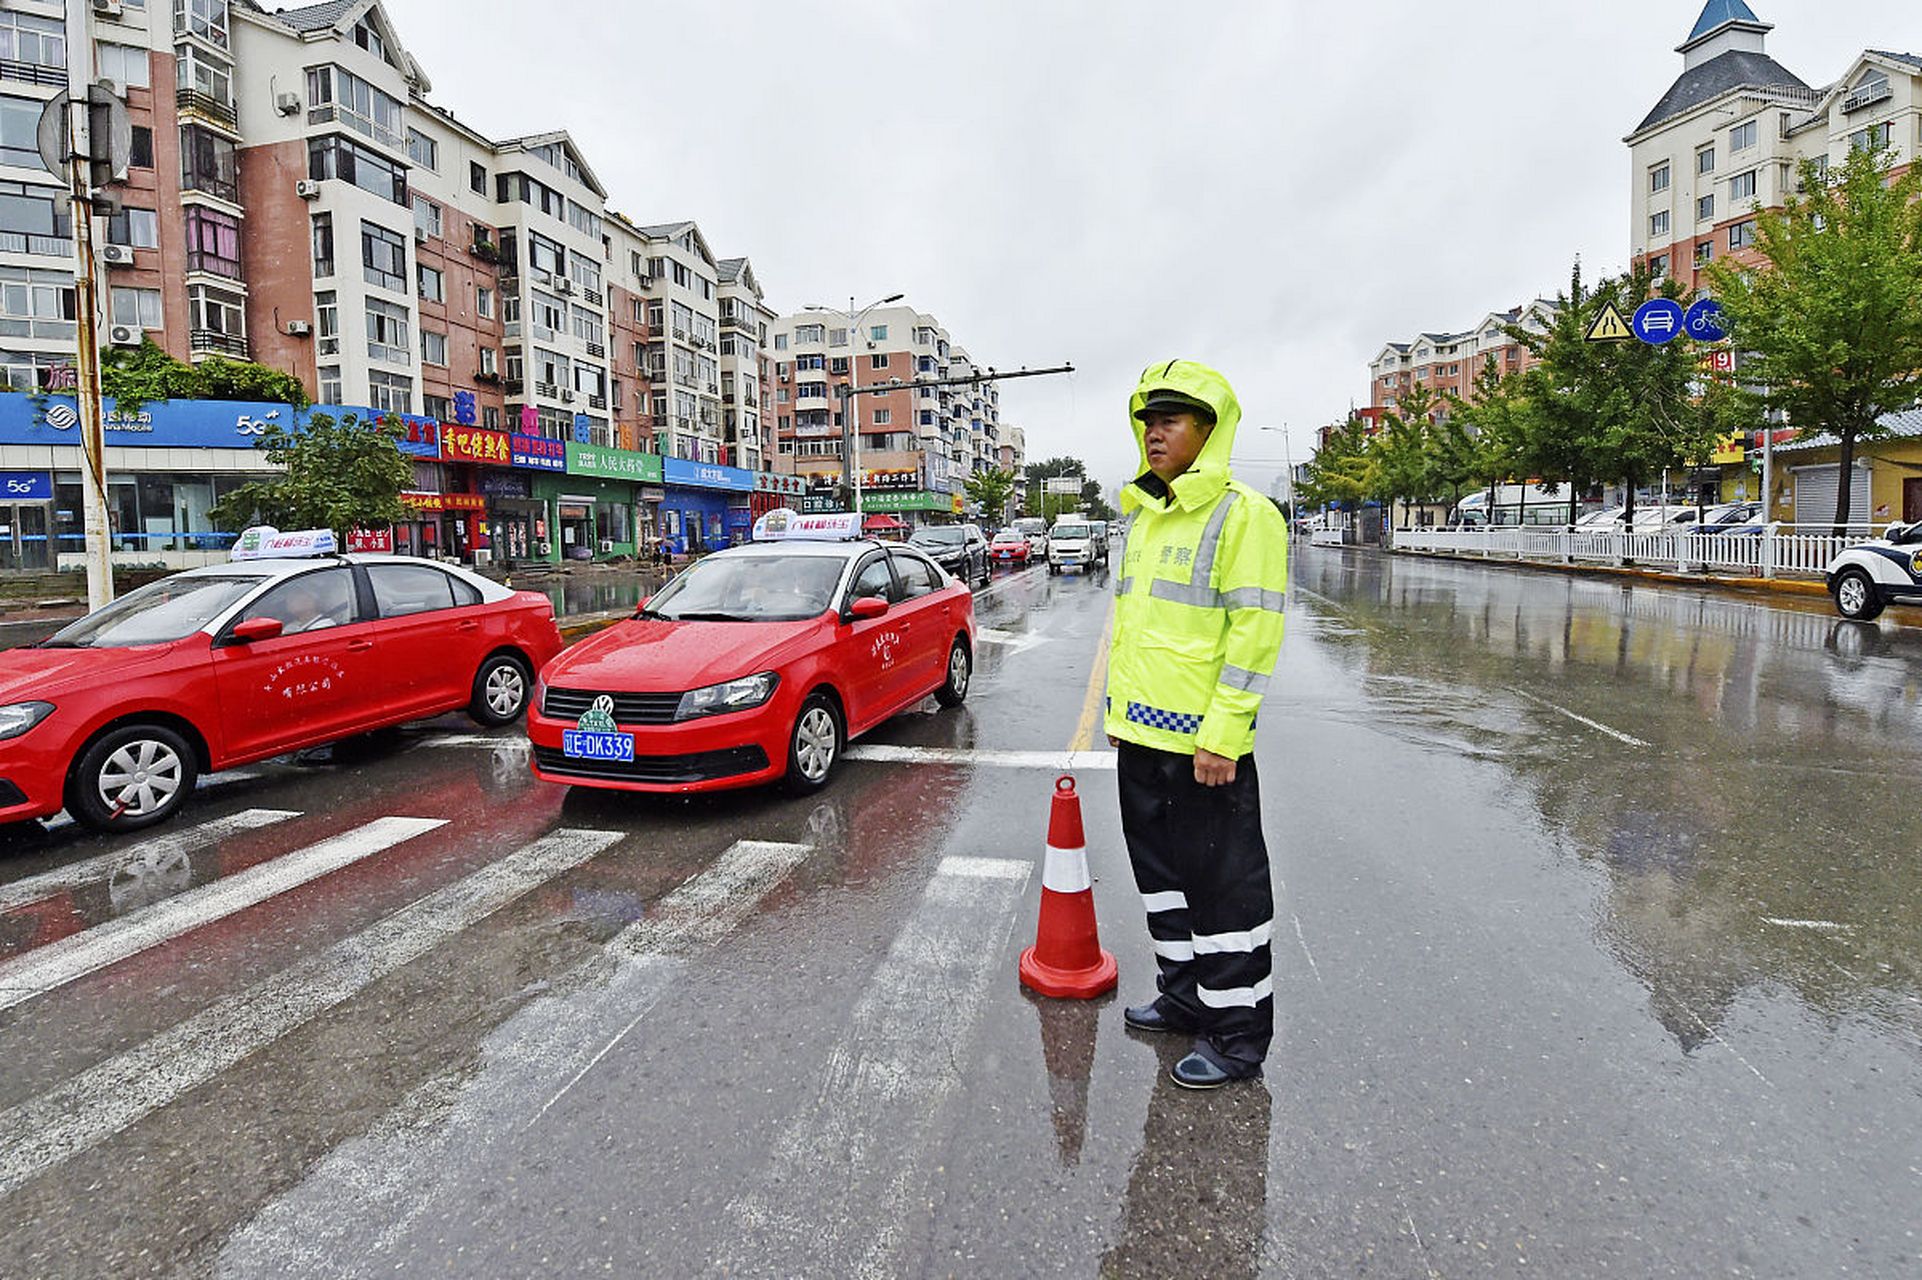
1200 590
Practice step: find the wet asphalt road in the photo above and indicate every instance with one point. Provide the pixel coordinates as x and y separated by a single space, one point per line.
1598 953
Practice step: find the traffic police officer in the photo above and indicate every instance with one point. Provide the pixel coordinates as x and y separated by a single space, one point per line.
1197 629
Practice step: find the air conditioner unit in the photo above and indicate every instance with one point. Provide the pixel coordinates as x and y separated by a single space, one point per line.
307 189
287 104
563 286
607 546
108 8
116 254
118 88
125 335
299 328
420 235
566 396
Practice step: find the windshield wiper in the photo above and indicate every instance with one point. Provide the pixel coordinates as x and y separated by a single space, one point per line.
64 644
712 616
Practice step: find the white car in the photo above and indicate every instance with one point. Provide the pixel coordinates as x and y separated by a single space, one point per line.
1868 578
1071 546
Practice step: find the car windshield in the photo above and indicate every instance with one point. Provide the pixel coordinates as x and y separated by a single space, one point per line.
1008 535
1071 531
938 538
749 589
157 613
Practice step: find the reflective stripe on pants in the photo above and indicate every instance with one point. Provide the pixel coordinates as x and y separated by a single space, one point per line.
1202 867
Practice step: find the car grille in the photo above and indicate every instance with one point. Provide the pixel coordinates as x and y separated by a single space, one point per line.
698 766
629 708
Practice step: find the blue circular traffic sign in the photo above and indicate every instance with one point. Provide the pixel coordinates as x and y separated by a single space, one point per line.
1704 321
1657 321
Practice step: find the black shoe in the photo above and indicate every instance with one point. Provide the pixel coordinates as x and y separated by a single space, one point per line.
1196 1072
1149 1017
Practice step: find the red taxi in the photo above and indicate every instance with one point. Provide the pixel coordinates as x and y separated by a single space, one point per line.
757 663
115 716
1010 546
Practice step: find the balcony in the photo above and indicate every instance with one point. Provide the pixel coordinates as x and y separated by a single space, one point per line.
213 265
547 390
594 297
221 188
744 323
512 386
206 341
596 402
26 242
207 107
1867 95
33 73
596 350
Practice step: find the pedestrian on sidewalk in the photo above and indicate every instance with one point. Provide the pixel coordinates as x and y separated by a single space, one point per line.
1197 630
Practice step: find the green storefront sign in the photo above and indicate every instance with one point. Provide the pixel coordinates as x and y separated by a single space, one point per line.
613 464
911 500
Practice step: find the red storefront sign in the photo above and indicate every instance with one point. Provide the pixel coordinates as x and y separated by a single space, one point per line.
375 540
444 501
474 444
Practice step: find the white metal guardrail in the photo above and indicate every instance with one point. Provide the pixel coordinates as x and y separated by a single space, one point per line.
1777 550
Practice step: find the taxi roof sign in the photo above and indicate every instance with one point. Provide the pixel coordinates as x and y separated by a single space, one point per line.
784 524
264 542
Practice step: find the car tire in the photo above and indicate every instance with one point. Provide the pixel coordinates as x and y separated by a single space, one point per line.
1856 597
814 745
147 768
500 691
954 691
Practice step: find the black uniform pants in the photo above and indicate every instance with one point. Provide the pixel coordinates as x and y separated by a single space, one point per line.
1202 867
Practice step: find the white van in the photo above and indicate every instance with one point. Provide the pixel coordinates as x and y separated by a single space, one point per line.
1070 545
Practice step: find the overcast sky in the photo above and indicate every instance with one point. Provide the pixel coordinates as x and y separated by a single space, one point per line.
1274 188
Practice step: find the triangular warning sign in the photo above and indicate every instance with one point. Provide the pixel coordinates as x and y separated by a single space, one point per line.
1609 326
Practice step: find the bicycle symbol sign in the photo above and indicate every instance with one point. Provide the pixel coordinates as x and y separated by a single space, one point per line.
1704 321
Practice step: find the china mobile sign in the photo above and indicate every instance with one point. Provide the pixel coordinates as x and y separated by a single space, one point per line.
188 424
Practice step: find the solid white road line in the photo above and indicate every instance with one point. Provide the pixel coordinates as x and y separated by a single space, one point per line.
100 1102
1821 926
1024 575
1012 641
150 851
371 1188
883 753
834 1196
58 963
1597 725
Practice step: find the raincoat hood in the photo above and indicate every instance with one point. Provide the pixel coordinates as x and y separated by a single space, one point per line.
1203 482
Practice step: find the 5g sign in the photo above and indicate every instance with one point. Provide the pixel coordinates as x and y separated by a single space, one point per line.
25 486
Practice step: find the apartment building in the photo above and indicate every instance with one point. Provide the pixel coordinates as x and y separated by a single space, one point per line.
1014 450
1450 362
918 444
682 288
745 317
1729 136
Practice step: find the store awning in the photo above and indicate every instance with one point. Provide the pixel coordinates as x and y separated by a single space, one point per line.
883 522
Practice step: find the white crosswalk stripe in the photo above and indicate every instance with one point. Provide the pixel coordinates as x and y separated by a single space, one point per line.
149 851
58 963
374 1186
102 1101
835 1194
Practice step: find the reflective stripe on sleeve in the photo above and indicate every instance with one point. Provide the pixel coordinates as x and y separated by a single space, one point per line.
1167 900
1255 598
1211 944
1202 597
1236 997
1122 586
1242 678
1211 540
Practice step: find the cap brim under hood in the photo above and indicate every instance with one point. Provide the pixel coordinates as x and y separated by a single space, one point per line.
1204 481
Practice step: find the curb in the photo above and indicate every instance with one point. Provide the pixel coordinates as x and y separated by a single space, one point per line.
1767 586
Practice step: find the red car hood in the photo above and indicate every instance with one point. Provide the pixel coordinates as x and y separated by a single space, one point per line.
30 674
653 655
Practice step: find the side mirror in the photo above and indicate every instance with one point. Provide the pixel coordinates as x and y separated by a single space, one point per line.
867 607
257 629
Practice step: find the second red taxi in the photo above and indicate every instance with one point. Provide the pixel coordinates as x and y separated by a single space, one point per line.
757 663
1010 546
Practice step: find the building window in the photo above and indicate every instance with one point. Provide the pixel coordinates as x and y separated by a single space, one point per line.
387 337
219 313
19 124
1741 235
383 257
327 323
141 156
204 18
137 307
36 304
489 360
877 361
1705 160
329 376
483 302
1705 209
427 216
213 242
423 150
36 41
137 228
433 285
196 72
1741 187
1873 138
393 392
334 93
207 163
837 337
1742 136
1658 178
1658 224
1657 266
813 333
124 63
491 417
433 347
1704 252
882 417
323 245
476 177
439 408
338 156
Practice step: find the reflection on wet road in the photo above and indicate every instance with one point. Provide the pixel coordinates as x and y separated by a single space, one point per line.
1596 954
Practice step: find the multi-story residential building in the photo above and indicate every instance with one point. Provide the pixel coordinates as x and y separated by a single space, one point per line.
745 317
917 444
683 350
1014 450
1450 362
1730 135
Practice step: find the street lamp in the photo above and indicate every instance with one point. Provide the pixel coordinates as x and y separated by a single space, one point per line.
1287 457
851 457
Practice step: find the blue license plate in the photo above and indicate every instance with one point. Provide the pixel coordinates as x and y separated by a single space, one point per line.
586 744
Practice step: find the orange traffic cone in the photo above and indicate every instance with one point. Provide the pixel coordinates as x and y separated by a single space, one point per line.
1066 959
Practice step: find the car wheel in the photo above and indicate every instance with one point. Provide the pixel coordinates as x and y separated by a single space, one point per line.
132 778
500 691
815 745
960 674
1855 596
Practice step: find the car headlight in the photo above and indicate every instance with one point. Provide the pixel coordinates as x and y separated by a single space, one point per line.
22 716
540 694
733 695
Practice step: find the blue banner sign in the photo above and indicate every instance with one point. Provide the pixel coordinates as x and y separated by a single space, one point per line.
537 452
189 424
706 475
25 486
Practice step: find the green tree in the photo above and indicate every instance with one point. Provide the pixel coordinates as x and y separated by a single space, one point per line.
1343 471
991 491
1475 445
1039 502
1833 329
147 374
1404 448
342 476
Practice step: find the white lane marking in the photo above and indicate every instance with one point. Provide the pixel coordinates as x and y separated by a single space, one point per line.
1597 725
72 957
474 740
150 851
1304 949
883 753
1716 1036
833 1197
1012 641
103 1100
1023 576
1824 926
362 1197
